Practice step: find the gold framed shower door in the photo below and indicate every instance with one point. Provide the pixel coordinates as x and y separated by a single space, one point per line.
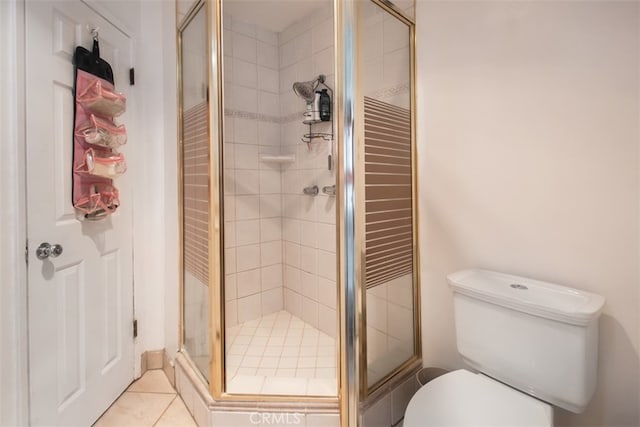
353 388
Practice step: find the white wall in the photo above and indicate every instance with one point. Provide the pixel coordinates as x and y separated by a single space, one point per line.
169 174
156 211
156 214
528 162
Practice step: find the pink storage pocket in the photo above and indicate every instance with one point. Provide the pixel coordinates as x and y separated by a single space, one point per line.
98 199
106 164
102 132
99 97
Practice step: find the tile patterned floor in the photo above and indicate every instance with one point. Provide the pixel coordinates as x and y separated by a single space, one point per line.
280 354
148 402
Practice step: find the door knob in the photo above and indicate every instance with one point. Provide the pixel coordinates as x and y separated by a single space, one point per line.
46 250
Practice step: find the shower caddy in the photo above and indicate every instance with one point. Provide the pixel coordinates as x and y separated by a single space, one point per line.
318 110
96 136
314 113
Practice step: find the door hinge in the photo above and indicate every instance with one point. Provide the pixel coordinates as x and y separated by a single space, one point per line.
135 328
26 252
132 76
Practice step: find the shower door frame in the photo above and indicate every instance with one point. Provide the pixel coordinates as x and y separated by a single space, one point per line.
180 27
213 264
217 383
367 391
352 387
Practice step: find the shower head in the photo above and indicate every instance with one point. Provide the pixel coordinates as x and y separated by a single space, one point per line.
307 90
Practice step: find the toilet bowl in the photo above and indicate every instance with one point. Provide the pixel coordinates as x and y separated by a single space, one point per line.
534 344
462 398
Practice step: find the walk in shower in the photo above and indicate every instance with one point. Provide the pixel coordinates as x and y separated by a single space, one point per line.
298 226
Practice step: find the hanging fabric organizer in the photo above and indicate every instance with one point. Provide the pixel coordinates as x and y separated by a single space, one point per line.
96 161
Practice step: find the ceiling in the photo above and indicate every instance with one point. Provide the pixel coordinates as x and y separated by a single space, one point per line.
274 15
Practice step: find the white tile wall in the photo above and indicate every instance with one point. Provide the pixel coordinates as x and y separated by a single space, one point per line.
306 50
271 253
248 283
245 73
379 414
201 412
272 277
389 409
323 420
247 257
231 419
245 130
401 396
386 56
280 245
230 290
269 134
314 385
248 307
247 233
268 56
253 227
246 157
272 300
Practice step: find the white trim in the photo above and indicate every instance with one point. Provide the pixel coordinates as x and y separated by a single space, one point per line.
14 395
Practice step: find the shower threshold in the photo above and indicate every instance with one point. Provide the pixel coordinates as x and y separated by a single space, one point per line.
280 354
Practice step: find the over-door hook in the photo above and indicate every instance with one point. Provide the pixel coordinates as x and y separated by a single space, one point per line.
95 33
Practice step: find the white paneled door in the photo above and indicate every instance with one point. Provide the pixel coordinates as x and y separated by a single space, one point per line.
80 302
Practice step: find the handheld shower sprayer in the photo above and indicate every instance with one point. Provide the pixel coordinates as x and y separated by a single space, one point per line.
307 90
318 102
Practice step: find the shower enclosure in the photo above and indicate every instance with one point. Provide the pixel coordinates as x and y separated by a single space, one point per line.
298 226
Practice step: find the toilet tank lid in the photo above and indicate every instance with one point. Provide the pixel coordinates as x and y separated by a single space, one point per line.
530 296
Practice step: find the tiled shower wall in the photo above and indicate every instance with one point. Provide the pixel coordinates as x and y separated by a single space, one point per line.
386 57
253 200
280 245
306 50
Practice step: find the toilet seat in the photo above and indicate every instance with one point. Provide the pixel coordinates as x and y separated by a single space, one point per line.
462 398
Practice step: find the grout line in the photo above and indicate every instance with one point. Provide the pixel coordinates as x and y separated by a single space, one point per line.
151 392
287 330
165 410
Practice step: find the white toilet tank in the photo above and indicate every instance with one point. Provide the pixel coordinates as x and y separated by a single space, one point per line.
535 336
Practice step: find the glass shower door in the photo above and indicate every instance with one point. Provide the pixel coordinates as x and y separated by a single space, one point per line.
280 274
194 164
388 232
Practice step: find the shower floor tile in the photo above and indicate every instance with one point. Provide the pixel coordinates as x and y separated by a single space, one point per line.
280 354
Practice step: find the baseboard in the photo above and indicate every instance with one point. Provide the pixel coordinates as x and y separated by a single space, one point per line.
158 359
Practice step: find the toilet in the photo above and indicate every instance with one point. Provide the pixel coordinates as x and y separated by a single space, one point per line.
534 345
